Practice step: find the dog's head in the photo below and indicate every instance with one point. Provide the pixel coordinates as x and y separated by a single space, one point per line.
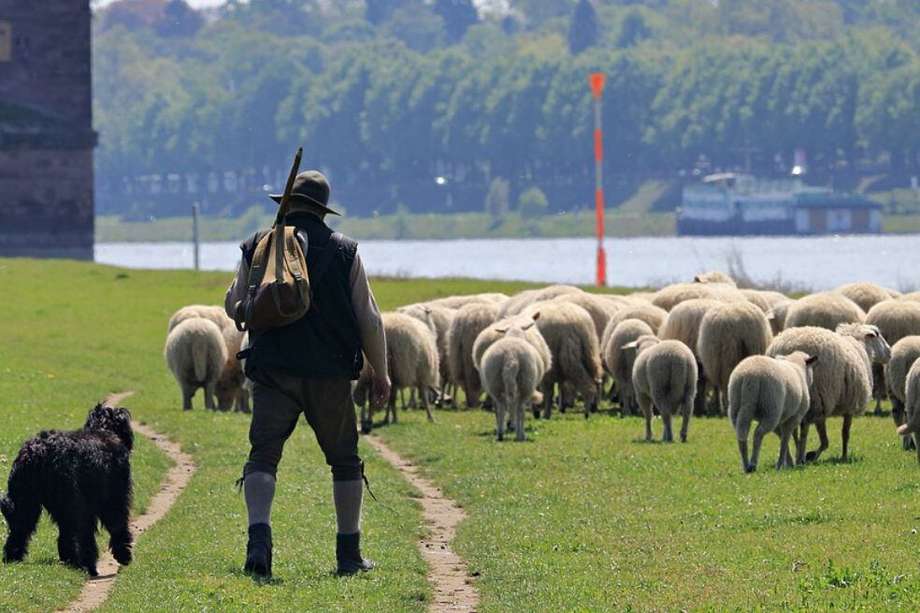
116 421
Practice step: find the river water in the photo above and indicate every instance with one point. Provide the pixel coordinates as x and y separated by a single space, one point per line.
806 263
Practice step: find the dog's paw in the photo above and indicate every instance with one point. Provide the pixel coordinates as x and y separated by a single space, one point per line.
122 555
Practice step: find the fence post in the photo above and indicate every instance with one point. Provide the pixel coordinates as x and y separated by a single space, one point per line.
195 241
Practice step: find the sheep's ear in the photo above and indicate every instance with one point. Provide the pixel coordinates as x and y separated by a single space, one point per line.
535 316
811 360
427 310
528 326
770 315
631 345
501 330
696 279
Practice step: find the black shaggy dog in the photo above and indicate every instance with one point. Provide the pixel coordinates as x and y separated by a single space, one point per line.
81 478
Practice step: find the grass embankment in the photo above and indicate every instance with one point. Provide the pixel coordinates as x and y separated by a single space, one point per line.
403 227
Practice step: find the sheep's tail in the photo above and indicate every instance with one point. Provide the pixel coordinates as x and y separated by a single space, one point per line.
575 367
510 370
200 353
743 398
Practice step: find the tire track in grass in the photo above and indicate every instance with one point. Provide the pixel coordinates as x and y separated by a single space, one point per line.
447 572
96 590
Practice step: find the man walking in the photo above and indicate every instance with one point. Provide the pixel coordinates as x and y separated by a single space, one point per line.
307 368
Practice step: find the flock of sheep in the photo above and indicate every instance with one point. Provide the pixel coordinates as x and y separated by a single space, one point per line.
201 347
696 348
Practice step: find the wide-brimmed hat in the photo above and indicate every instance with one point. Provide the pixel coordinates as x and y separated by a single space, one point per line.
311 187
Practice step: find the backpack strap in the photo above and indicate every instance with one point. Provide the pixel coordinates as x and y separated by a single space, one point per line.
329 252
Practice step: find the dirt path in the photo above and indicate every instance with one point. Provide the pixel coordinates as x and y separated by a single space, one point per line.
447 572
95 591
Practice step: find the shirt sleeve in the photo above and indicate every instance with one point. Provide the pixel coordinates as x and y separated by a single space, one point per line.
237 289
367 313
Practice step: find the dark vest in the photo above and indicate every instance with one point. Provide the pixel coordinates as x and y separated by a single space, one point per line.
326 342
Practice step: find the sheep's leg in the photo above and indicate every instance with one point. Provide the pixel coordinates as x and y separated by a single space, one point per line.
499 420
188 391
402 398
209 391
845 436
686 410
548 391
519 421
821 427
917 444
645 404
801 441
423 396
668 435
413 400
743 452
723 402
759 432
784 460
391 407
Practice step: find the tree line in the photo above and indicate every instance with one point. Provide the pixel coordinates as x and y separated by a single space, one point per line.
430 118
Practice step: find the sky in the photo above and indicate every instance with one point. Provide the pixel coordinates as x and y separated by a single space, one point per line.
194 3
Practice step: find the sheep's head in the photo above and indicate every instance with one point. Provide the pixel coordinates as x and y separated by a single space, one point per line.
642 343
870 336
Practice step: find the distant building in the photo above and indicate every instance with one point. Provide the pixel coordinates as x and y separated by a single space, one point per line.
46 133
733 204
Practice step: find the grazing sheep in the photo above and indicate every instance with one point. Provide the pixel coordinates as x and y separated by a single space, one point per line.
412 359
196 353
903 355
714 276
497 331
456 302
231 389
683 324
775 392
570 335
865 294
914 296
728 334
764 299
842 375
650 314
895 319
215 314
517 303
599 309
511 370
664 375
825 310
912 395
469 321
670 296
619 362
438 319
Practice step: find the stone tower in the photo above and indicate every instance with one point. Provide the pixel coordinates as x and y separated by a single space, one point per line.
46 129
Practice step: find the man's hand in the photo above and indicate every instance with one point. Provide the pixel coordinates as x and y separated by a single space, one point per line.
381 389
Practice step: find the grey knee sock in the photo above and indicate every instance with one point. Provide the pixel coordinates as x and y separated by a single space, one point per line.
259 489
347 498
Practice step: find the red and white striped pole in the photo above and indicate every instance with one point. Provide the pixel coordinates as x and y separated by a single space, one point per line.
597 89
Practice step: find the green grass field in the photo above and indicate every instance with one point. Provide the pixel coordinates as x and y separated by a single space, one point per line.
581 517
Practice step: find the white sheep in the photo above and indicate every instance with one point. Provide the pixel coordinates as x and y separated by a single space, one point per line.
729 333
683 324
599 309
215 314
824 310
438 319
670 296
649 313
511 371
196 353
619 362
865 294
469 321
572 340
903 355
777 315
412 360
895 319
912 395
519 302
714 276
842 376
775 392
456 302
664 375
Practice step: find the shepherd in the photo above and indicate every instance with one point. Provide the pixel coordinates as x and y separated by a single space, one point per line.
307 366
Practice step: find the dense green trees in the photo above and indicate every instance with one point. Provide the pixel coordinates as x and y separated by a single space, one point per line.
388 95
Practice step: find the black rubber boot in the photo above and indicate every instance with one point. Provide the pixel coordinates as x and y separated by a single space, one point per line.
259 551
348 555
